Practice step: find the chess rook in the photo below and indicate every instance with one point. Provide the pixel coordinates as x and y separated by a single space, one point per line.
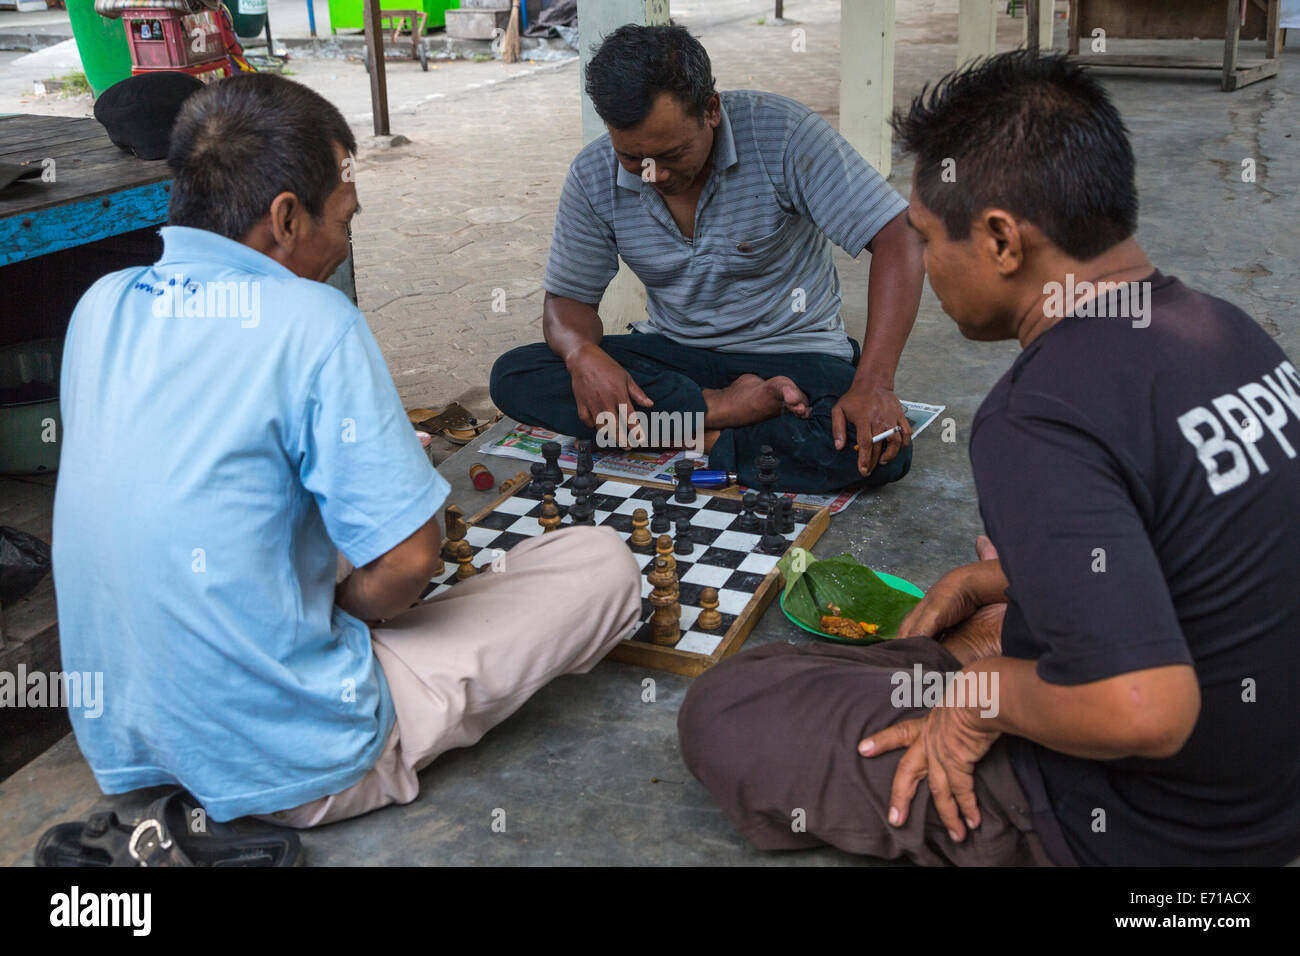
685 493
551 452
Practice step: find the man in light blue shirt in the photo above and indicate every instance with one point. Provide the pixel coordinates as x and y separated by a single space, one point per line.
725 205
230 427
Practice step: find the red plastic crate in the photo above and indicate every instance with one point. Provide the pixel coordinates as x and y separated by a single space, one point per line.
170 39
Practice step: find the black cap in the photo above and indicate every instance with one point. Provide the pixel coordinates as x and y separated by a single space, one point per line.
139 112
11 172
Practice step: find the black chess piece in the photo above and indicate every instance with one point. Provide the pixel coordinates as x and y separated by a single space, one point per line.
748 520
683 544
767 463
772 542
785 508
551 452
685 488
585 464
537 470
659 521
582 511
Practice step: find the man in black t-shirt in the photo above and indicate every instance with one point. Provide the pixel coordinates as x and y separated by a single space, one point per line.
1136 608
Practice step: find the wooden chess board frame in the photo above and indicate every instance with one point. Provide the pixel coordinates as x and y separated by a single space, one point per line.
687 663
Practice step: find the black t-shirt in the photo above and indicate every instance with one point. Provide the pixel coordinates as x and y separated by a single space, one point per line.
1142 486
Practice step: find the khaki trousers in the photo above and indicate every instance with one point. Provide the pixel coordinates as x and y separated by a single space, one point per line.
463 662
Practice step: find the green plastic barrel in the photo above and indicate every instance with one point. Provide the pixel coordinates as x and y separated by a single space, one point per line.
248 17
105 57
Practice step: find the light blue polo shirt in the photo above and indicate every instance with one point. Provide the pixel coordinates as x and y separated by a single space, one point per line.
219 444
757 274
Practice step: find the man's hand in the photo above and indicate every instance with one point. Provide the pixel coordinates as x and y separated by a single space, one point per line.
955 597
943 746
600 384
870 409
952 600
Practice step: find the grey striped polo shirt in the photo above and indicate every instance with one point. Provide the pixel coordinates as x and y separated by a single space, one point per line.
757 276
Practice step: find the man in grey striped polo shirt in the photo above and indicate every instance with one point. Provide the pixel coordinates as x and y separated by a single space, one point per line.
725 205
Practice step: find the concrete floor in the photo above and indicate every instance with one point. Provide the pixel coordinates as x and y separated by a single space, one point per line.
586 772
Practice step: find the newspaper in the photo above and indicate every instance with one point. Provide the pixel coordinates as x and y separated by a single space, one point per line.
524 442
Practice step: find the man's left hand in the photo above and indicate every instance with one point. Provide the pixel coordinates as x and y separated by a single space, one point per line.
870 409
943 746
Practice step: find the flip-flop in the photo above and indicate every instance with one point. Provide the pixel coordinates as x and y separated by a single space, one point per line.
453 423
163 837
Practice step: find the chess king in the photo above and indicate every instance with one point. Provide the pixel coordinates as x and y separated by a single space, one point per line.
725 205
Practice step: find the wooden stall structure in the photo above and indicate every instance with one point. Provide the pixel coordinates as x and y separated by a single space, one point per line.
1229 20
96 209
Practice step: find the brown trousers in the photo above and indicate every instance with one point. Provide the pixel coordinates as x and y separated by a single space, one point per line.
773 734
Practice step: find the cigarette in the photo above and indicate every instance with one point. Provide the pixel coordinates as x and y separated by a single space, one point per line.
883 435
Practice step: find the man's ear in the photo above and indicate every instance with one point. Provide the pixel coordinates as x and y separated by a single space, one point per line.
713 110
286 220
1002 240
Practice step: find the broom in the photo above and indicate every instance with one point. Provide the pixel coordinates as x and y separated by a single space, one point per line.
510 45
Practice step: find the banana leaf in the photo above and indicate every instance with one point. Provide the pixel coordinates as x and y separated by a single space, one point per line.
810 585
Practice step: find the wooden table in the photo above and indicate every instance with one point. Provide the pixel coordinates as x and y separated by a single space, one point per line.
1182 20
98 190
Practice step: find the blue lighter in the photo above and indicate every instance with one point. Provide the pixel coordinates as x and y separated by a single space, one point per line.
713 479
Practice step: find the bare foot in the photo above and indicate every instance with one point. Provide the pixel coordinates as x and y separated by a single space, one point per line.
977 637
984 549
750 399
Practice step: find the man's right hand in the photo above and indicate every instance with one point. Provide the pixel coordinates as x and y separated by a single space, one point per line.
600 384
954 598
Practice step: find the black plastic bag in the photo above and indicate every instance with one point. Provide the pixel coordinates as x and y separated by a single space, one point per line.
24 560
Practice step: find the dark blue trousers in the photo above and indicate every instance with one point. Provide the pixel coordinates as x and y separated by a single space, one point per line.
531 384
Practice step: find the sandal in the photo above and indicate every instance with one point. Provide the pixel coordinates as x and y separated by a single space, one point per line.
163 837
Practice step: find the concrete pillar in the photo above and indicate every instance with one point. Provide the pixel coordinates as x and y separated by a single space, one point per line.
867 78
977 29
625 299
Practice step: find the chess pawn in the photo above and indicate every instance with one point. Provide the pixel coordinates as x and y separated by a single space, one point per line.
772 542
659 523
785 509
710 619
665 622
538 472
683 544
641 538
664 549
549 518
748 520
465 558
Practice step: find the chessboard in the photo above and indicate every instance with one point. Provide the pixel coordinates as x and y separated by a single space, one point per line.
722 557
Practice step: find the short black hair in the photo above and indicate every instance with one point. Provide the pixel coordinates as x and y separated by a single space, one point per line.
1033 134
634 64
242 141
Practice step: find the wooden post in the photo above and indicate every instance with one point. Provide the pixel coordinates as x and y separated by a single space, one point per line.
977 30
624 301
1039 18
1272 33
1232 33
867 78
378 80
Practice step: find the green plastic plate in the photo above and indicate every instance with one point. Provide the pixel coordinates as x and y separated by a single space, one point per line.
895 582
